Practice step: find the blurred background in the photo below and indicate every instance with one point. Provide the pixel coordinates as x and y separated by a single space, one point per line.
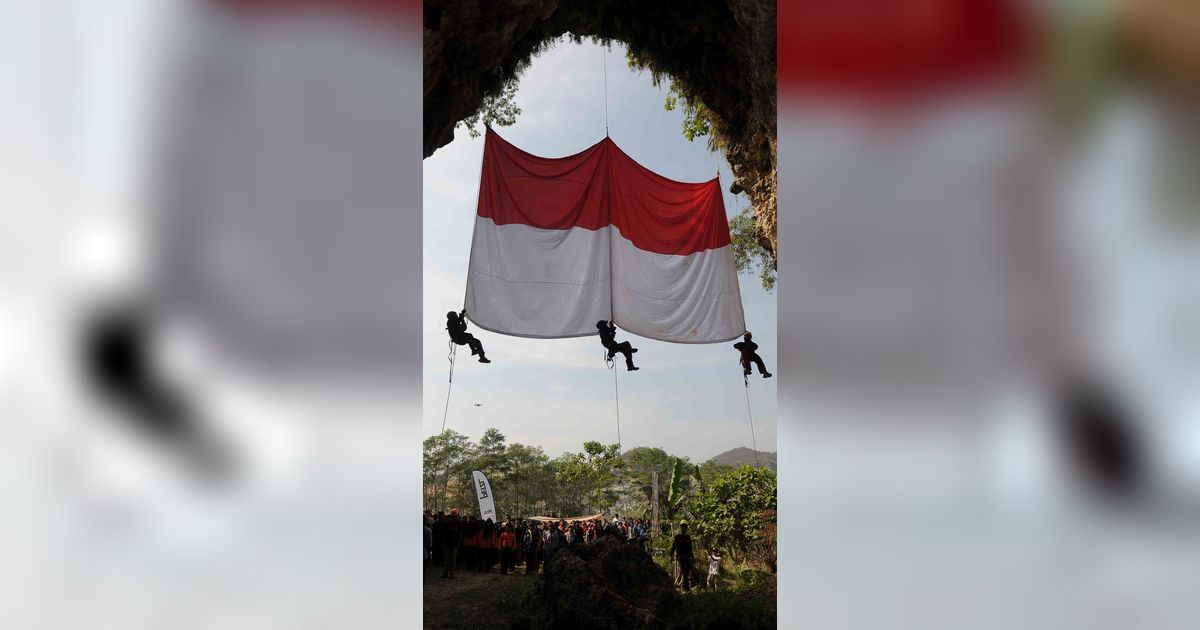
209 364
989 318
988 313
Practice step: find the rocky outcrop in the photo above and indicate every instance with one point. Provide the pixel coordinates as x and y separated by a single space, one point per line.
721 52
608 584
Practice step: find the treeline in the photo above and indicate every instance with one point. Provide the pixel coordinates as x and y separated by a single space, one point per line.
732 508
527 482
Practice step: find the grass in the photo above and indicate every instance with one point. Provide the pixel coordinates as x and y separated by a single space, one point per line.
476 600
748 601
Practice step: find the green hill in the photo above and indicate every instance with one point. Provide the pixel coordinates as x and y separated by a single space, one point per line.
742 455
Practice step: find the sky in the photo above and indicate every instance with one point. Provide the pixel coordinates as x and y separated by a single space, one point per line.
557 394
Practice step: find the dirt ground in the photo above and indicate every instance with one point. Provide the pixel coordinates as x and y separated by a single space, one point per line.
474 599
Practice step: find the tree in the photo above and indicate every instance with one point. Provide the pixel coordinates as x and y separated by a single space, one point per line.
710 470
442 455
498 110
736 512
675 488
592 473
749 256
684 479
490 454
525 478
698 119
634 483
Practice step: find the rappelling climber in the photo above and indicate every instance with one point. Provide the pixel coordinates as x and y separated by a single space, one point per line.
456 323
608 333
747 348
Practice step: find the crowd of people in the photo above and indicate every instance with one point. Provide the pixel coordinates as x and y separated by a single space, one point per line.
458 543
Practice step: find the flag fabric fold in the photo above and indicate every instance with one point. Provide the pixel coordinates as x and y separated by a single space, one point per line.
561 243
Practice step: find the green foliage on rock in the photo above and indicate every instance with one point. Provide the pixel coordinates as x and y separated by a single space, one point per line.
498 110
749 256
697 119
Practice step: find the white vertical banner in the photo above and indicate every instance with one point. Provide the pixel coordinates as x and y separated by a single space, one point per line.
487 507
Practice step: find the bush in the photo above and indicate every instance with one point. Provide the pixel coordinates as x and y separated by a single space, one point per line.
748 602
736 513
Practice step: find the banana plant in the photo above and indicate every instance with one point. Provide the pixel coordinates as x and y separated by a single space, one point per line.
676 492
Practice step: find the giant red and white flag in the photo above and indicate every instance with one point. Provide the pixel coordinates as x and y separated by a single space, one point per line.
561 243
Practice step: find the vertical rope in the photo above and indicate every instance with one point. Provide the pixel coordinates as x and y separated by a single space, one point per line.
606 92
616 394
445 412
750 414
617 397
446 409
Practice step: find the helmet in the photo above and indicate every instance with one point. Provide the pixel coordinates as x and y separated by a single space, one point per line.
451 315
601 324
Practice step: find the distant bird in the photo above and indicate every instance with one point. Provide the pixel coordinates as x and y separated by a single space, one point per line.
478 404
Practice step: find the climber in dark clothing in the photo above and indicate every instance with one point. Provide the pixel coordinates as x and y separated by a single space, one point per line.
456 323
608 333
747 348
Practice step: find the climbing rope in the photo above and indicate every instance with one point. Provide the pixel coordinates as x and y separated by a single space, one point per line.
750 414
608 362
450 357
606 92
617 397
445 411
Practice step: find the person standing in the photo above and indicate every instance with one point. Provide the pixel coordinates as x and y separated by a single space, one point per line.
639 535
487 546
439 524
451 539
714 569
508 546
519 552
470 547
681 550
428 531
554 540
533 549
